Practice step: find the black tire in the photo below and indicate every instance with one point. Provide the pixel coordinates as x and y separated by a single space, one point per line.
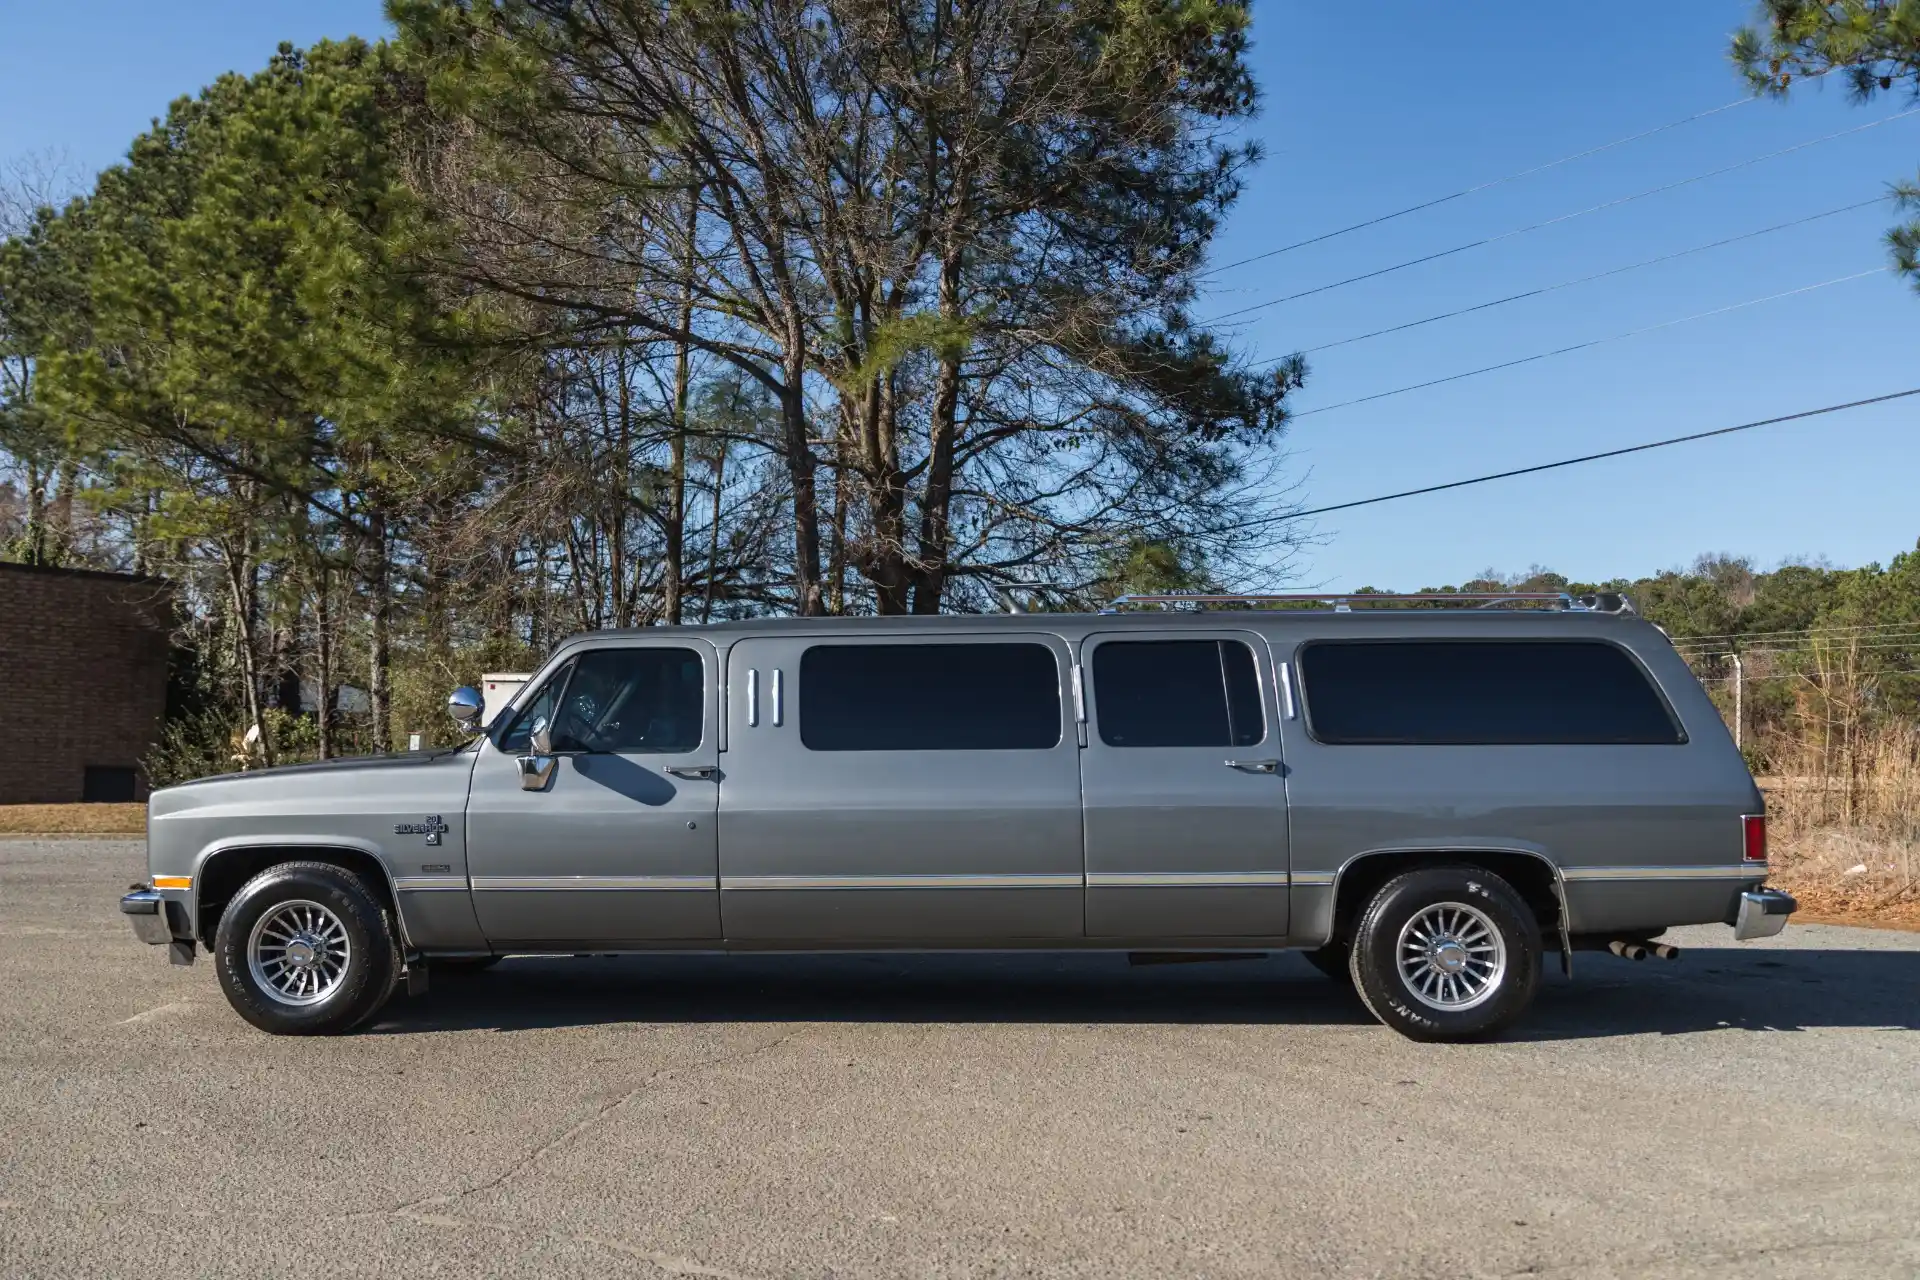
366 978
1335 960
461 966
1389 995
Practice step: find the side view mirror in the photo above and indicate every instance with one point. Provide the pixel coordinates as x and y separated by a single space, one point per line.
466 706
536 770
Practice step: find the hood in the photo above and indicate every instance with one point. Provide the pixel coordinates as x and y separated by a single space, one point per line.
345 764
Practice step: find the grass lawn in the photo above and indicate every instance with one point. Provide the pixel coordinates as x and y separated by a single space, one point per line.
73 819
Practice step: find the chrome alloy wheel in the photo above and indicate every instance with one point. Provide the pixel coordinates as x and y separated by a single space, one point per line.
298 952
1451 956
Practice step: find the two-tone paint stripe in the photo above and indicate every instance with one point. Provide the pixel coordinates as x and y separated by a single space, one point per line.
429 884
1042 880
1187 879
1035 880
1746 871
593 884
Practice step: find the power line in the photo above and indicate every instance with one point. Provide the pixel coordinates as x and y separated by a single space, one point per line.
1723 639
1891 639
1726 637
1598 275
1467 191
1572 462
1565 217
1591 342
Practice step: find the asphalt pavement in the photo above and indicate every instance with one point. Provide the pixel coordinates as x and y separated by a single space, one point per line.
1748 1110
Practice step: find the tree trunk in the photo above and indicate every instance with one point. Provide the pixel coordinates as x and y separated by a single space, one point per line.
242 593
676 523
60 527
379 648
837 558
807 601
936 534
623 600
713 535
323 646
36 514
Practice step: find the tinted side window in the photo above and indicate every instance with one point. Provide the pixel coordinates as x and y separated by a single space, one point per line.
929 697
1480 692
537 714
632 701
1177 693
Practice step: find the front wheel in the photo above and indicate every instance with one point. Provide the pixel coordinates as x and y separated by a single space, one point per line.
304 949
1446 953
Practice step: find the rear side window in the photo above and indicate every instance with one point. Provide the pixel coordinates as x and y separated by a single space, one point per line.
929 697
1177 693
1443 692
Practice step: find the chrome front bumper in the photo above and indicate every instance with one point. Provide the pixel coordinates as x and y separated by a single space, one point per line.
158 922
1762 913
146 911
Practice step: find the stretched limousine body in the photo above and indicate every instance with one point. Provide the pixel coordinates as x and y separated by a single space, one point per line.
1428 800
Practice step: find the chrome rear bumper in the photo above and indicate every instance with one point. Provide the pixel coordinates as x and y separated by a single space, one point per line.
1762 913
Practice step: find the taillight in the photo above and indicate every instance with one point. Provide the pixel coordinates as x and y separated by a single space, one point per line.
1753 831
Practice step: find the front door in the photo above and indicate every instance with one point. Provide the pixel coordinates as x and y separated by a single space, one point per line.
1185 791
618 844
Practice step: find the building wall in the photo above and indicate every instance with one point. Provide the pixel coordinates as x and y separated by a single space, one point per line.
83 678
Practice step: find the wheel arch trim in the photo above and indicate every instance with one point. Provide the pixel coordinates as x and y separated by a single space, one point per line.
1467 848
294 845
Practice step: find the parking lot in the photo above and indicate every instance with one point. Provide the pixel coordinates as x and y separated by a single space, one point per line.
1751 1112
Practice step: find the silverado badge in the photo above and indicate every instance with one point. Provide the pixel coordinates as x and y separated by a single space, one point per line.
432 828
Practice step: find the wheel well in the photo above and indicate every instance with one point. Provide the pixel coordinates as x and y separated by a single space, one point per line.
1531 877
221 876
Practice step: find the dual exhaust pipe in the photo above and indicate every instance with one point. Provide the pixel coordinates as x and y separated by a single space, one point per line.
1629 949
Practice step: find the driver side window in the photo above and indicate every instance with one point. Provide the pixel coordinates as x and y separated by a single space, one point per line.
649 701
538 714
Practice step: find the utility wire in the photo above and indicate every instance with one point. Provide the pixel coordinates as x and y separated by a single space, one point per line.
1721 643
1598 275
1565 217
1790 634
1725 636
1467 191
1591 342
1570 462
1900 639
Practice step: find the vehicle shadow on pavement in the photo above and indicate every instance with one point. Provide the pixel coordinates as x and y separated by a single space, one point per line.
1706 990
1728 988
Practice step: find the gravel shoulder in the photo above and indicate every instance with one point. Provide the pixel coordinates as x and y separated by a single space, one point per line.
1749 1110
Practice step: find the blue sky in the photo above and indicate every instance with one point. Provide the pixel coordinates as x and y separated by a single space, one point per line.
1420 101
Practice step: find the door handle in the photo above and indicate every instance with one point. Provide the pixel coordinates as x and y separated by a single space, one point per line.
691 770
1255 766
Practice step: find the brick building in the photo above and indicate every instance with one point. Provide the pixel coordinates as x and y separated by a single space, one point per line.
83 682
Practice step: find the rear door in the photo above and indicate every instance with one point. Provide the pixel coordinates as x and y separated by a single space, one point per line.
893 790
1184 787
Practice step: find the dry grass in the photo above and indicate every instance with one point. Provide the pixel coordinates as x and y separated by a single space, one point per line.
1846 838
73 819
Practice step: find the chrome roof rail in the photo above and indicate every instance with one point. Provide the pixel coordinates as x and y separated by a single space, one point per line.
1343 602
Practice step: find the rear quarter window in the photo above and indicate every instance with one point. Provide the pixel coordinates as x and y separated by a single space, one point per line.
1481 692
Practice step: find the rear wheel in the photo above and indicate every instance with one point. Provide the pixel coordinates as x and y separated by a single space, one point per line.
1446 953
304 949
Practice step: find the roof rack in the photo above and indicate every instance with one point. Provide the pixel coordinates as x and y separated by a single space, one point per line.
1561 601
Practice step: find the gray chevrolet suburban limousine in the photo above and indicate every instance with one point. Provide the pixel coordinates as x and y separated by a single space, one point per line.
1426 800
